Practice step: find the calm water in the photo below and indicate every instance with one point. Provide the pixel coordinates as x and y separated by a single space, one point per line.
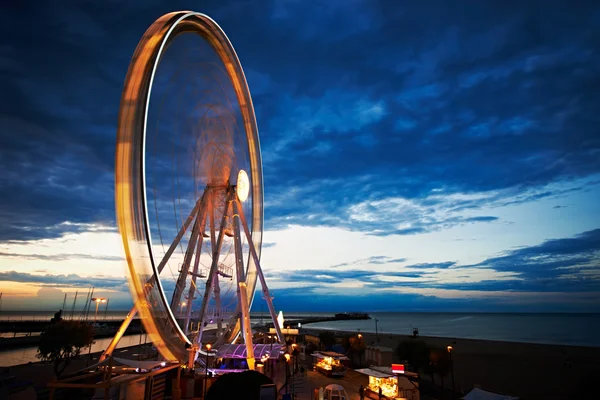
27 354
567 329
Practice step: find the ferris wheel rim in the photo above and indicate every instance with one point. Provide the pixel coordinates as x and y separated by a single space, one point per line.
163 29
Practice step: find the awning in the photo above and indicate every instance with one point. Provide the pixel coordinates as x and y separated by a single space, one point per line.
331 354
374 373
147 365
239 351
480 394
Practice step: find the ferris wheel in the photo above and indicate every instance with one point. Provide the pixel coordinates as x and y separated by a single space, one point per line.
189 190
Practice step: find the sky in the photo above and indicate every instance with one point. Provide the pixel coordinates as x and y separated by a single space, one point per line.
439 156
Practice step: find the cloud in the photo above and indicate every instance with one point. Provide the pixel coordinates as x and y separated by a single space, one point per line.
60 257
370 121
66 281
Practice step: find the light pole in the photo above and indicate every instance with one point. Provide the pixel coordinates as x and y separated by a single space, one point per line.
208 347
376 330
98 300
452 368
106 309
359 346
287 371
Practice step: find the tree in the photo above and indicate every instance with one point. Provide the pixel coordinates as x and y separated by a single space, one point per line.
440 363
357 346
327 339
62 342
416 352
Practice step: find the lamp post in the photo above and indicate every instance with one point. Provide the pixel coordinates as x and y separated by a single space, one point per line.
208 347
98 300
287 371
376 330
360 336
451 368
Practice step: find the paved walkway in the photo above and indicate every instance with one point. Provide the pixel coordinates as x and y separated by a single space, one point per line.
304 386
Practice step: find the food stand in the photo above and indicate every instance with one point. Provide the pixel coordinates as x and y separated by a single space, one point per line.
394 384
330 363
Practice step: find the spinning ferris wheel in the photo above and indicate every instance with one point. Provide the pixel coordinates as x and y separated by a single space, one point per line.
189 190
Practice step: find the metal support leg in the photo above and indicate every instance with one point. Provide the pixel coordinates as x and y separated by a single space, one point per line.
263 282
242 287
192 288
213 270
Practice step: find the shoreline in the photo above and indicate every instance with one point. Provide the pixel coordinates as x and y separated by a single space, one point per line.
525 370
402 335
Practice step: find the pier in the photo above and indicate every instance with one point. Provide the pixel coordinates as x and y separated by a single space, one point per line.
303 320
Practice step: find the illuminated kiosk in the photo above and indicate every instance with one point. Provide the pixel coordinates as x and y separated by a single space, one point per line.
330 363
394 381
220 236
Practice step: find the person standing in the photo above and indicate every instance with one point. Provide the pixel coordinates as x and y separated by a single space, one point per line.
361 392
380 393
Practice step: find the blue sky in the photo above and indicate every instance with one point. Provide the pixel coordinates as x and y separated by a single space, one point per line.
432 156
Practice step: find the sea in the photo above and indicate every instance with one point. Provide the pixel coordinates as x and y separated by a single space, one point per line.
546 328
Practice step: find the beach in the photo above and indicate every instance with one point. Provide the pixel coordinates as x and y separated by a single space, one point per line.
528 371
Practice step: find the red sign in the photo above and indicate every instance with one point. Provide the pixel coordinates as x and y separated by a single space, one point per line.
397 368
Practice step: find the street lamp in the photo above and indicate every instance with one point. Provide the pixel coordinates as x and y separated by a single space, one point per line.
376 330
287 371
451 368
208 347
98 300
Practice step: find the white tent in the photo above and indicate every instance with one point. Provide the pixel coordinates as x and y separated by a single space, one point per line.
480 394
335 392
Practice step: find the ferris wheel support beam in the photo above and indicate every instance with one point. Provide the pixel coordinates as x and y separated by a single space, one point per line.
242 286
180 234
192 289
187 260
217 288
213 269
263 282
133 312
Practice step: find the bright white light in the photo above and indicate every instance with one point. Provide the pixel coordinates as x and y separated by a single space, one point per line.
242 187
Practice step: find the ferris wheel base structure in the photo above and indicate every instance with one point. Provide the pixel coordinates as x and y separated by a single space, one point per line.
169 334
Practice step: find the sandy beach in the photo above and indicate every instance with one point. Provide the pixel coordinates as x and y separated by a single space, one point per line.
529 371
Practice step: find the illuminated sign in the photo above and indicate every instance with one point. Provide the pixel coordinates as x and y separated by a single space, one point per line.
397 368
